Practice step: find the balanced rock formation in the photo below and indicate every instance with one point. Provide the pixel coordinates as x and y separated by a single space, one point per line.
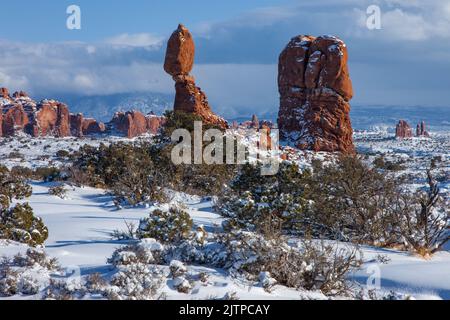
315 88
403 130
178 63
135 123
421 130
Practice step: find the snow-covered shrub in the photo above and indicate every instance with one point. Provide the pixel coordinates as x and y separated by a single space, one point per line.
18 223
26 274
136 281
172 225
425 220
268 204
58 191
64 290
12 186
126 169
311 266
147 251
177 269
182 284
8 281
36 257
353 202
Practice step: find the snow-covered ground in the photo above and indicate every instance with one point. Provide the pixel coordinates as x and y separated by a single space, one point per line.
80 236
81 226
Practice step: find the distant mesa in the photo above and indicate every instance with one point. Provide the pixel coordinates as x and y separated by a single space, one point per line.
21 114
178 63
404 131
315 89
134 123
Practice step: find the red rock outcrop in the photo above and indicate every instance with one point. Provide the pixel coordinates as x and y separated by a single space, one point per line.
403 130
14 119
76 125
134 123
47 118
4 93
178 63
421 130
315 89
91 126
50 118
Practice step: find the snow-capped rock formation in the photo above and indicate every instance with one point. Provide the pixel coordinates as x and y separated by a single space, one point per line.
135 123
178 63
403 130
20 113
315 89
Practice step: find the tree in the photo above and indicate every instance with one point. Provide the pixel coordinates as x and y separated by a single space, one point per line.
426 226
268 204
18 223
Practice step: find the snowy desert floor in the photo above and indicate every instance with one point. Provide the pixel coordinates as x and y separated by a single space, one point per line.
81 226
80 236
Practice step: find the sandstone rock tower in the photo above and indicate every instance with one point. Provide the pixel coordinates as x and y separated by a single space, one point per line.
315 89
179 63
403 130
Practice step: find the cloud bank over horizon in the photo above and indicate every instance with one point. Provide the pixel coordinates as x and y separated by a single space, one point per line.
407 62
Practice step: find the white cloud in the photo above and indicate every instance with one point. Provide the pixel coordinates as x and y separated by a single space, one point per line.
136 40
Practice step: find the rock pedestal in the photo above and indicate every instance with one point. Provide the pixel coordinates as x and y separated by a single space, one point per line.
178 63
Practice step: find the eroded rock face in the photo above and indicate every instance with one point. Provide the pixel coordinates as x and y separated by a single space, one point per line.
421 130
50 118
76 125
315 89
178 63
20 113
134 123
14 120
403 130
4 93
91 126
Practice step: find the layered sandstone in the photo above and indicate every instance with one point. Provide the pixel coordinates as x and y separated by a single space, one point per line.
134 123
403 130
178 63
315 88
421 130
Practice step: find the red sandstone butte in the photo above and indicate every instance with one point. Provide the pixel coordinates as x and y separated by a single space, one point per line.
134 123
403 130
315 92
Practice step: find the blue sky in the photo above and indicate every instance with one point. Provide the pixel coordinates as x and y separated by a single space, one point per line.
121 48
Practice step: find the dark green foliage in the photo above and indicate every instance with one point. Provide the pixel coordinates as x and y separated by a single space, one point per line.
12 186
268 203
127 169
18 223
173 225
47 174
351 200
139 172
